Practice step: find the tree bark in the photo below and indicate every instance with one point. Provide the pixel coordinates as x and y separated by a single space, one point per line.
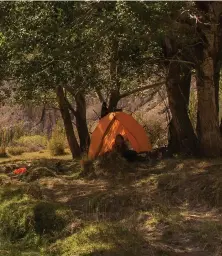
207 71
114 76
217 65
113 100
81 123
182 138
73 144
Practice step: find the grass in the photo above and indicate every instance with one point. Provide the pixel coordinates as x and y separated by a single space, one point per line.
44 154
170 208
99 239
28 222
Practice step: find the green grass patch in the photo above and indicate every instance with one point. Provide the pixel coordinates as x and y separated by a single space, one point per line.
28 222
16 150
99 239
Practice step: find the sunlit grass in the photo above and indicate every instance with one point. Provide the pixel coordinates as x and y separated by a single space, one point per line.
44 154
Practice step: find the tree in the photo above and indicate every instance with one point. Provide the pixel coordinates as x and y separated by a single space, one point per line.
209 25
53 59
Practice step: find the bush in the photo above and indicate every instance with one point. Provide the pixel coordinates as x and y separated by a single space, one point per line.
33 143
3 152
56 147
16 150
56 144
156 131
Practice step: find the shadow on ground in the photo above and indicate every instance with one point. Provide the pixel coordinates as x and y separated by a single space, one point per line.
169 208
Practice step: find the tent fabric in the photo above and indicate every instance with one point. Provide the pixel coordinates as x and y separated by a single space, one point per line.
103 137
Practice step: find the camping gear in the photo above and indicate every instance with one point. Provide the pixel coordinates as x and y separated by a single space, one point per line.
20 171
103 137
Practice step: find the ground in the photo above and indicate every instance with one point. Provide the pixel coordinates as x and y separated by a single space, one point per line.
167 208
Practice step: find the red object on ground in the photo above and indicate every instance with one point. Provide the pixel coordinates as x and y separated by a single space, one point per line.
20 171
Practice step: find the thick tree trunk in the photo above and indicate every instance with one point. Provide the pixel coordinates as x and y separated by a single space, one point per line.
208 78
182 136
73 144
217 65
208 123
81 123
184 87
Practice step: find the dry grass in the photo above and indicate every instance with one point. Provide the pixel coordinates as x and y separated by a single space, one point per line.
44 154
171 208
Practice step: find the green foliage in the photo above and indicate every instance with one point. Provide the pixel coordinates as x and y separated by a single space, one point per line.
56 143
16 150
32 142
8 135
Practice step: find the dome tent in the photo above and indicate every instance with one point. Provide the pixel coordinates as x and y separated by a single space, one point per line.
103 137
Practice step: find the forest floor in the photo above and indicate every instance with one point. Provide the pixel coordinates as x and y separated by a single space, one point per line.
169 208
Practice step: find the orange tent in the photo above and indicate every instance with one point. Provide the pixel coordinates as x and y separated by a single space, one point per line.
103 137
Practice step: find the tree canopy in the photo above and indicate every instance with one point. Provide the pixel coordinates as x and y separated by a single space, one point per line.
115 49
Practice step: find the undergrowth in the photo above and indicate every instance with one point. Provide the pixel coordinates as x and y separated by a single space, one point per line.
33 142
148 210
16 150
99 239
26 220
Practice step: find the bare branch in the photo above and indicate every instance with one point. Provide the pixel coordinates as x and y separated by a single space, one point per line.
71 90
141 89
70 107
100 96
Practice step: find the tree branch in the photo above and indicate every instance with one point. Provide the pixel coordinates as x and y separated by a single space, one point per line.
70 90
100 96
70 107
141 89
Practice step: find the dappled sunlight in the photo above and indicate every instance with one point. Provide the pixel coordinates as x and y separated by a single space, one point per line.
162 205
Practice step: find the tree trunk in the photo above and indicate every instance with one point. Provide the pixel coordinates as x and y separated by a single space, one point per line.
81 123
182 137
217 65
114 76
113 100
208 78
73 144
208 123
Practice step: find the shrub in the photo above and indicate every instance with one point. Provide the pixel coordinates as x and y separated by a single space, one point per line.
155 130
56 147
56 144
157 133
3 152
33 143
16 150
